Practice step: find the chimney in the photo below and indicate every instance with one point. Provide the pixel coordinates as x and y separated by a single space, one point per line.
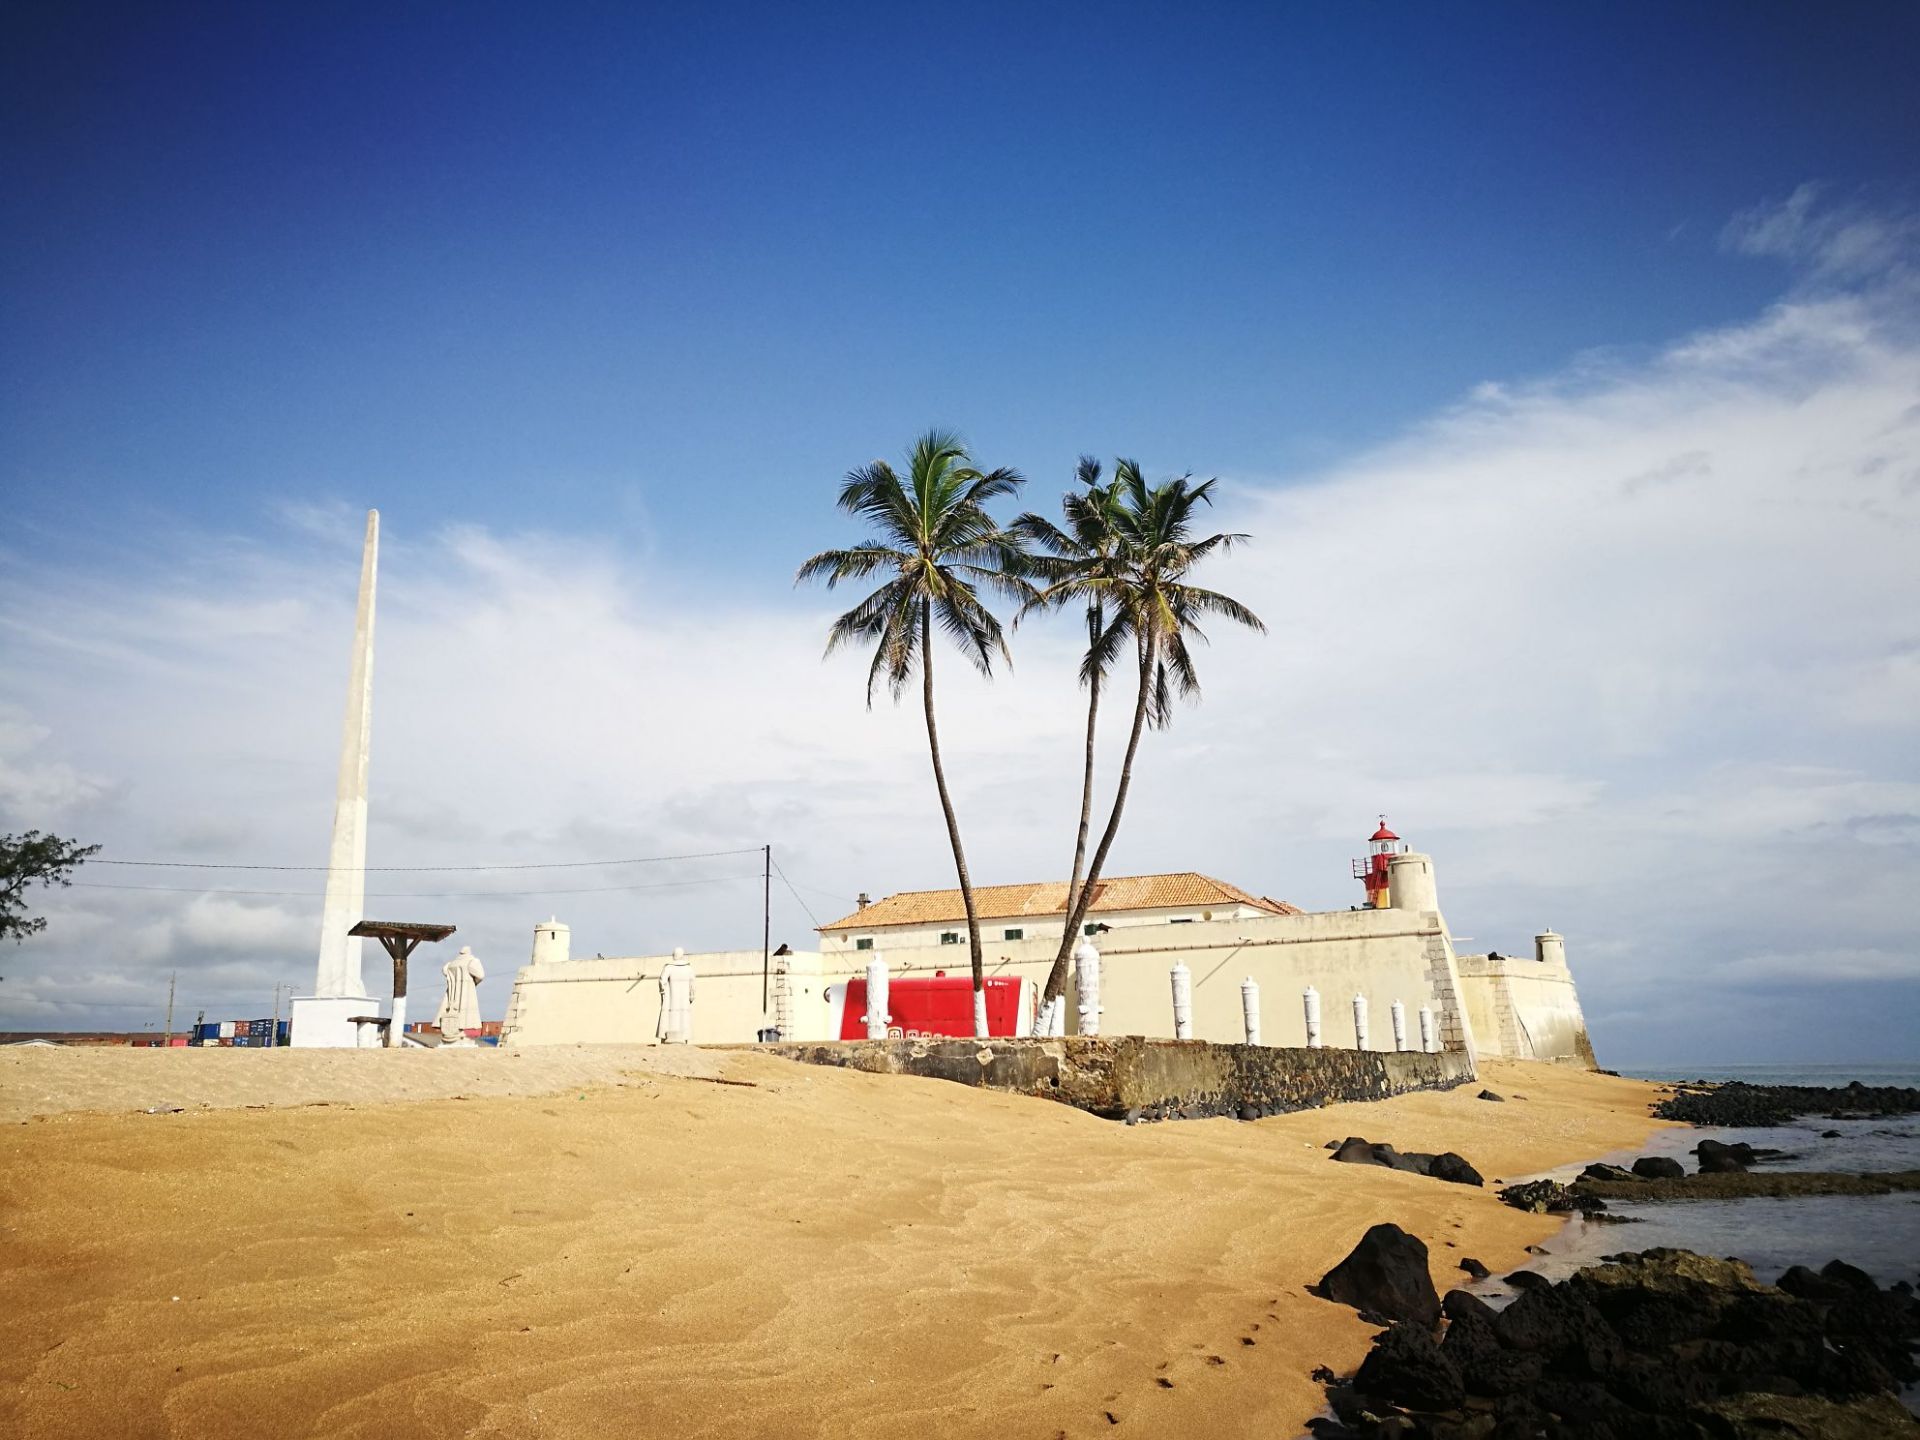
865 900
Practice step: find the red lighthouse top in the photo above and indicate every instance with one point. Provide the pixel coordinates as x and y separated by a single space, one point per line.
1382 846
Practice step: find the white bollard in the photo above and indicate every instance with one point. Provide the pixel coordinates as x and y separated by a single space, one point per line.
1086 973
1426 1031
979 1014
1182 1001
1399 1014
1250 1009
876 999
1311 997
1359 1022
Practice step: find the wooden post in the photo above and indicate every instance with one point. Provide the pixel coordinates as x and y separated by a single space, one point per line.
400 947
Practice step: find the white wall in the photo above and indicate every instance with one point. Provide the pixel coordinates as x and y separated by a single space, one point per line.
618 1001
1526 1009
1386 955
1032 927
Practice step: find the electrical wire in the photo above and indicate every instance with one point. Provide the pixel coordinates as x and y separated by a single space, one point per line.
796 894
417 894
414 869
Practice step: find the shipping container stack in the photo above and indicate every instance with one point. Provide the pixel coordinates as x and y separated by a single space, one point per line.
248 1034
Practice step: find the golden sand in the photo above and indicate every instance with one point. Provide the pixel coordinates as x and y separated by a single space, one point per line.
579 1242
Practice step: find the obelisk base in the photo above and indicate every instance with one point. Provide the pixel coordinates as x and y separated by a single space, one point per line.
325 1022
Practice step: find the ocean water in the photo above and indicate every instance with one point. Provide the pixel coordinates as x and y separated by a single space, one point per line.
1903 1073
1878 1233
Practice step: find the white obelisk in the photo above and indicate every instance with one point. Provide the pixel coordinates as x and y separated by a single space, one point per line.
325 1017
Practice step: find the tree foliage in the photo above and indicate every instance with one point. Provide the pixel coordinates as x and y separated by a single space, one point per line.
28 860
935 548
1138 576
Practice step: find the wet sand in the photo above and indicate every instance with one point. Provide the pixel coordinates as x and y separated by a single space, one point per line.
577 1242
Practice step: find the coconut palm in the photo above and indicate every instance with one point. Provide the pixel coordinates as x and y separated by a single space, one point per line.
1088 548
1141 584
938 548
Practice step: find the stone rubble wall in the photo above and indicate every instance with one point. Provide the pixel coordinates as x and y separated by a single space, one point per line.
1134 1077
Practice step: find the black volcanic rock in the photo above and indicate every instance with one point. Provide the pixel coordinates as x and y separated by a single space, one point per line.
1660 1344
1407 1368
1739 1106
1613 1173
1387 1274
1454 1170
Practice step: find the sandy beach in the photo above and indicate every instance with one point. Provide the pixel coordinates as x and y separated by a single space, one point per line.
603 1241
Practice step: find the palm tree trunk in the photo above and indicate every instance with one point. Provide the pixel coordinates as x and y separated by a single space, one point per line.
953 824
1079 911
1057 976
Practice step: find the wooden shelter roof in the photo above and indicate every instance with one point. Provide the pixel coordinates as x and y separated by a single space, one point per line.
401 930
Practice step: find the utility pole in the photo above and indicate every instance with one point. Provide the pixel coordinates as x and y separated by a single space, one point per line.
172 977
766 923
273 1035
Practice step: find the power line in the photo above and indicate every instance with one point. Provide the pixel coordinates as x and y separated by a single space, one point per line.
796 894
833 895
415 894
546 865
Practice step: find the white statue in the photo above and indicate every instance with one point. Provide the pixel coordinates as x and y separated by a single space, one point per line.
676 1001
460 1009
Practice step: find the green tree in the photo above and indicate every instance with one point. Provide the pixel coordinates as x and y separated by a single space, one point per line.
1070 561
1141 584
938 548
33 859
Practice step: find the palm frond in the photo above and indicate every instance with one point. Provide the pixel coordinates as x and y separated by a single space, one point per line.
849 564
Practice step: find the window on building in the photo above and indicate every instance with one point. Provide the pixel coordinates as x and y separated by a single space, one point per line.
865 942
1181 920
949 937
1092 927
1014 935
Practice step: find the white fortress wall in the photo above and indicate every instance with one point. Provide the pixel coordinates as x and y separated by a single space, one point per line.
1527 1009
1385 955
608 1001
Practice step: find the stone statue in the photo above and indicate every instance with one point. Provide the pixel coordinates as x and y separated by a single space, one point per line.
460 1010
676 1001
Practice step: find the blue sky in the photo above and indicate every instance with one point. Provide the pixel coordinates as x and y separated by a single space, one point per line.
611 265
597 304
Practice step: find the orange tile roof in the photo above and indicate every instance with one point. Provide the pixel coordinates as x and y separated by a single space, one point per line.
1049 898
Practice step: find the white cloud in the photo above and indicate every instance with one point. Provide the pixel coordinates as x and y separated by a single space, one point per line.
1844 241
1820 967
1632 649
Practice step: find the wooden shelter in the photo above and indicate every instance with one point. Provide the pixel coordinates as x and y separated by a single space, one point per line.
401 938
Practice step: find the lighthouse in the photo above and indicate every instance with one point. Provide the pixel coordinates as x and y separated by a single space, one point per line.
1371 869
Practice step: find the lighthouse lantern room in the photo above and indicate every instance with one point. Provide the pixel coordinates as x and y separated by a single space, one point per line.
1371 869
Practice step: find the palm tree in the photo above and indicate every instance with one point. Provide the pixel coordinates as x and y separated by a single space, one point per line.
937 546
1069 560
1142 586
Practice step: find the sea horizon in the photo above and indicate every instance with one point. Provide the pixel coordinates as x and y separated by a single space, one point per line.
1829 1074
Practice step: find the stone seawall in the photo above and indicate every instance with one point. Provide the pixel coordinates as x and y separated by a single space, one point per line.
1131 1077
